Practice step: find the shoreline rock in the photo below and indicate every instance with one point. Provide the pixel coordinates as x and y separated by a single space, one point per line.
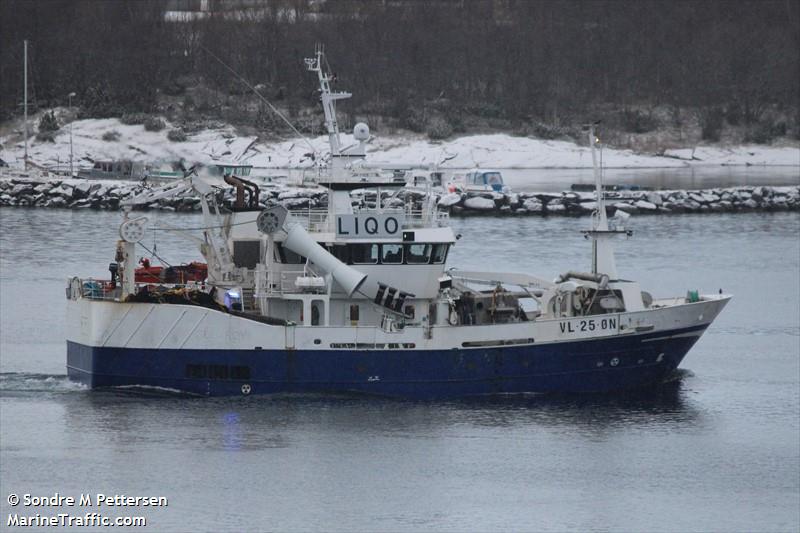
88 194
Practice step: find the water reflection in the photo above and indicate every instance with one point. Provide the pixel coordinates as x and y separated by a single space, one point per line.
127 417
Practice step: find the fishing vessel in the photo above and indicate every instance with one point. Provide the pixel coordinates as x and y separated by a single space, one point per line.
358 297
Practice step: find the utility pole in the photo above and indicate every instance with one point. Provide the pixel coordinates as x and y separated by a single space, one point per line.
72 119
26 102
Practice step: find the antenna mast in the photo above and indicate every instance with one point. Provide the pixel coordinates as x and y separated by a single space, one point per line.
602 249
328 99
26 101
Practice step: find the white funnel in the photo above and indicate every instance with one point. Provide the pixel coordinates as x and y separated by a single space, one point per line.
300 242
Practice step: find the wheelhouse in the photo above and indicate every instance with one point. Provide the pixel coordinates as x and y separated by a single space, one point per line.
488 180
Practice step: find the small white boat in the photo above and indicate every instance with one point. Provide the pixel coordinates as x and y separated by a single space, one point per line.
478 180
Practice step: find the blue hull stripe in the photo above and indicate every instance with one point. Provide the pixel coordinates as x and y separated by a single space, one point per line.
598 365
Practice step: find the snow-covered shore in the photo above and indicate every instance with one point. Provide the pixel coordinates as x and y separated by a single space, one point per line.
501 151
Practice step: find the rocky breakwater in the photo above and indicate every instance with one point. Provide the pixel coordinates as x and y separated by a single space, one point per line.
743 198
87 194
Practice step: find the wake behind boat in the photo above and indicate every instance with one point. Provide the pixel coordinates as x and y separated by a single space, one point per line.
358 298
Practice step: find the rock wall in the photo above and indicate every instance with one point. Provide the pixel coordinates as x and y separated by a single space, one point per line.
86 194
743 198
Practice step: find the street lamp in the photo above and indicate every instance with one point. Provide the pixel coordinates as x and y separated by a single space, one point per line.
70 96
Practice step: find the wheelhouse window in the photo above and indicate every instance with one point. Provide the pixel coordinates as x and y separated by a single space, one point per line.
364 254
493 178
340 252
418 254
392 254
439 253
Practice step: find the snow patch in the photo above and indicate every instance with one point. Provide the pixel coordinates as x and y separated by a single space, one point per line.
485 151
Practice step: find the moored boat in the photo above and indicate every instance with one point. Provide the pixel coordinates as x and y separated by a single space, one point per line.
478 180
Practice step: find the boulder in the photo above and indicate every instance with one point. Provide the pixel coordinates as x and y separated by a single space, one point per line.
58 201
709 198
479 203
81 190
654 198
81 204
532 205
450 199
64 190
697 198
296 203
780 203
674 195
624 206
546 197
21 188
645 206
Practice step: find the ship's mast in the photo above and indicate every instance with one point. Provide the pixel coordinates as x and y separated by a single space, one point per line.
602 248
338 199
601 222
25 70
328 99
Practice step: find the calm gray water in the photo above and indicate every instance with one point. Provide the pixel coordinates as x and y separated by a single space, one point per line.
718 449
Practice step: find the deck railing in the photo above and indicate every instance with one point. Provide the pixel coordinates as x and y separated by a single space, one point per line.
93 289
